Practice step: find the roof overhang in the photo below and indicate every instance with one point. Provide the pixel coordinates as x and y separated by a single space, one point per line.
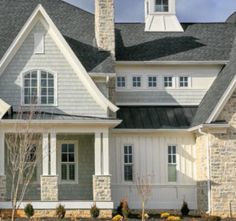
214 128
119 131
4 108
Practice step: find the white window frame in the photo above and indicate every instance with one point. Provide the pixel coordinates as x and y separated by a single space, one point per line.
176 163
173 81
123 163
152 87
163 6
120 87
75 142
38 70
141 83
39 43
189 81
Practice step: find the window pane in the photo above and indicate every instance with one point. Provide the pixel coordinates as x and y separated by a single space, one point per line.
172 173
51 91
64 148
63 172
50 83
34 83
126 158
71 158
128 172
43 83
27 83
71 148
64 157
44 91
27 100
71 172
34 74
43 100
51 100
43 74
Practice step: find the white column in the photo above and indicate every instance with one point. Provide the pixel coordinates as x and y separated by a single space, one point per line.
97 153
105 158
2 154
53 153
45 155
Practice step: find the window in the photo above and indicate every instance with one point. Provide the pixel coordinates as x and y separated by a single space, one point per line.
38 43
162 6
68 162
121 81
152 81
128 163
168 81
184 82
39 88
172 170
136 81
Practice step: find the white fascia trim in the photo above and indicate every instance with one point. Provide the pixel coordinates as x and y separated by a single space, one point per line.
104 75
67 204
156 104
223 100
4 108
65 49
149 130
209 126
220 62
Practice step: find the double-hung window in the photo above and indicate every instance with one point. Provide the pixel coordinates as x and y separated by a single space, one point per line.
152 81
183 82
128 163
38 88
137 81
121 81
162 5
168 82
172 163
68 161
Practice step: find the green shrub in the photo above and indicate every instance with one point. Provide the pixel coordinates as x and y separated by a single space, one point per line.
185 210
29 210
60 211
94 211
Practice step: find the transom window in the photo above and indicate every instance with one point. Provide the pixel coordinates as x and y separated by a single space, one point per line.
39 88
162 5
152 81
136 81
128 163
121 81
68 162
184 82
168 81
172 165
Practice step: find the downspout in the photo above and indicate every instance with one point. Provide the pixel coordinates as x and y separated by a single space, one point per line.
208 170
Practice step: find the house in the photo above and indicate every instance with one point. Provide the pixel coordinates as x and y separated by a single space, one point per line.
116 101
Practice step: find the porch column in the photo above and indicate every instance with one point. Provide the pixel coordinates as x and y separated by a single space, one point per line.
2 167
102 178
49 179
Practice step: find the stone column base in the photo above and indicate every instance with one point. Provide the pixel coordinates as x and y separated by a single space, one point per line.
2 188
101 188
49 188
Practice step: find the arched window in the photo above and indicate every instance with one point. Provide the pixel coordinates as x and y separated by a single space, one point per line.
38 88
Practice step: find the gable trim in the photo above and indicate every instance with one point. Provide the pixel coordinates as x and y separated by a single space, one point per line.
222 102
66 51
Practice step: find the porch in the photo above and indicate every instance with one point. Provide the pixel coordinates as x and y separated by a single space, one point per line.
73 170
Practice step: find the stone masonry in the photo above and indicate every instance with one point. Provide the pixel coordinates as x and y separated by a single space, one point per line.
102 188
104 25
49 188
2 188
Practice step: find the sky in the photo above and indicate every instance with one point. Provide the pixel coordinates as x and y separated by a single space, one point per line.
187 10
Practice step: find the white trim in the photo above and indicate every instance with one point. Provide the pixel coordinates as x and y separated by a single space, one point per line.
2 154
155 104
220 62
4 108
97 154
68 205
45 155
53 153
105 152
65 49
223 100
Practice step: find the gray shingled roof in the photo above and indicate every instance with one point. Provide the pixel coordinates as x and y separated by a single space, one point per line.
199 42
154 117
76 25
217 90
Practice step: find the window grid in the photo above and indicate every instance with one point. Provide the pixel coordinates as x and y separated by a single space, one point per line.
128 163
183 82
136 81
172 164
162 6
168 81
121 81
152 81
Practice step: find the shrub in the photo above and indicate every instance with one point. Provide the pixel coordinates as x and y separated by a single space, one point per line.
60 211
117 218
173 218
165 215
94 211
29 210
123 208
185 209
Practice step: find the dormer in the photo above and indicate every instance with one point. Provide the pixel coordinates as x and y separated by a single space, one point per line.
160 16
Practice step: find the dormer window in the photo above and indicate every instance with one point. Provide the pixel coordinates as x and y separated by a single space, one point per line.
161 5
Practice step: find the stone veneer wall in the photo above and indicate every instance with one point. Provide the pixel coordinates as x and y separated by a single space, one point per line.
102 188
49 188
104 25
2 188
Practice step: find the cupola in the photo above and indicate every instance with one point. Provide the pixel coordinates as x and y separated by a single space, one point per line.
160 16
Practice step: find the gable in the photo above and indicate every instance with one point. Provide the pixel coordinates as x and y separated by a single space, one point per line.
61 59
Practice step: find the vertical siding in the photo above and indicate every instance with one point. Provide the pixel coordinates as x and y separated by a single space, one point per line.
73 97
150 159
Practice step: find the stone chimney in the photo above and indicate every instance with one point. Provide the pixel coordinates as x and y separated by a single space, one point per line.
104 25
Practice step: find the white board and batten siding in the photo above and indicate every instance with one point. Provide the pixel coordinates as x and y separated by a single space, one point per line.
151 159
